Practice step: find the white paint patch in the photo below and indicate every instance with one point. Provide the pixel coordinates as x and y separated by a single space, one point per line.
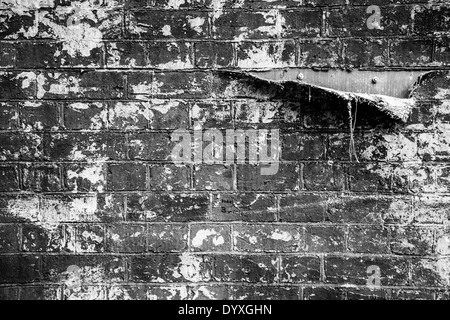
77 35
166 30
266 56
175 4
190 267
93 173
207 234
197 23
281 235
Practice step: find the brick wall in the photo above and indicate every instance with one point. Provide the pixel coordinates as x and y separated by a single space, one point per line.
93 207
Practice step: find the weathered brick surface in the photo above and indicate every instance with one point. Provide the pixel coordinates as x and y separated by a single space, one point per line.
92 205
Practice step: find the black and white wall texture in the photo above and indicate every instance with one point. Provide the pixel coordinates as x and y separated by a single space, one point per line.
224 149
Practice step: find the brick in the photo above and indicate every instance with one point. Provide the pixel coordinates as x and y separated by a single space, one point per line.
9 238
375 53
9 176
169 114
430 272
160 55
57 208
369 209
110 207
93 269
155 114
299 146
368 239
12 146
431 146
151 146
170 268
265 292
129 115
130 177
249 178
321 54
19 208
147 292
85 177
20 269
180 85
267 238
265 55
85 292
354 270
366 294
54 54
39 116
413 178
442 239
263 25
8 55
248 268
302 208
9 116
324 239
130 238
162 207
214 115
256 115
207 237
243 207
213 177
442 53
38 239
411 294
431 209
430 19
84 146
167 237
85 116
41 177
213 54
210 292
323 177
422 116
194 4
439 111
411 52
76 85
9 293
300 269
129 54
369 177
86 238
323 293
170 177
144 24
17 85
39 292
412 240
322 115
433 86
290 116
353 21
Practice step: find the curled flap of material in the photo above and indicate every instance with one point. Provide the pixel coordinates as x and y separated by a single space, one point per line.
246 84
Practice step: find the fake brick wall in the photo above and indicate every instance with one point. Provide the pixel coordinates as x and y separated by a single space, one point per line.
91 206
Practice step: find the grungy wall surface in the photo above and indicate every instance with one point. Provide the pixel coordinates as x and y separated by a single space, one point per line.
93 206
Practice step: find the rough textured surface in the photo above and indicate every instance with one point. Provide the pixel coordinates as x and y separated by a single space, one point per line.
93 207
